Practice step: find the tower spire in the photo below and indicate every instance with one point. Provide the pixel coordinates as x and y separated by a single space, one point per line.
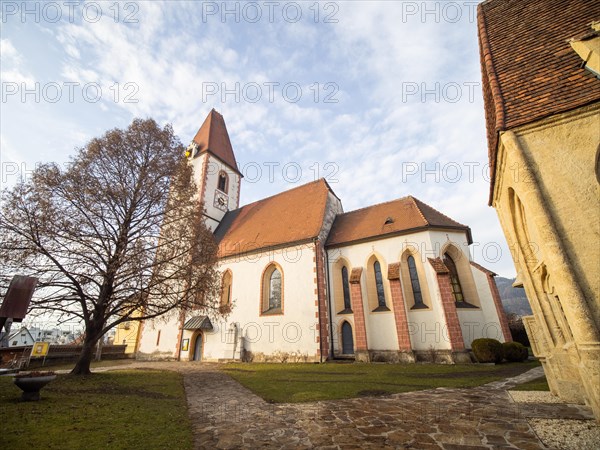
212 137
211 155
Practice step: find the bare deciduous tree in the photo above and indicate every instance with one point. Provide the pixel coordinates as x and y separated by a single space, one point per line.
115 236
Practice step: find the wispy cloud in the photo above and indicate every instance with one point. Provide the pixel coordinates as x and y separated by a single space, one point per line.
376 96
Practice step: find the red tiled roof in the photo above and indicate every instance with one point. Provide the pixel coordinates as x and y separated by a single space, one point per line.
212 137
529 69
291 216
395 217
438 265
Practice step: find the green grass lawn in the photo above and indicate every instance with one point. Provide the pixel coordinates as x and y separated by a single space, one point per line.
539 384
126 409
311 382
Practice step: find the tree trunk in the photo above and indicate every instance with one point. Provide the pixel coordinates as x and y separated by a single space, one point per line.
82 367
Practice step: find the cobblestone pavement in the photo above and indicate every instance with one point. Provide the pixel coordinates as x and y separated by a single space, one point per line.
226 415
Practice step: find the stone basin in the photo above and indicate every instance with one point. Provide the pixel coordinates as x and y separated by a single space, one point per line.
31 386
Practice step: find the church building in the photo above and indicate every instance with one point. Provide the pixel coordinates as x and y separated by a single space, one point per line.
306 281
541 89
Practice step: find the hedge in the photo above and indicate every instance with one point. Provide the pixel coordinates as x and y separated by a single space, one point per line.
514 351
487 350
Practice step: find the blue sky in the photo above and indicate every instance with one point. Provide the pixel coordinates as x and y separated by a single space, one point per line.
383 99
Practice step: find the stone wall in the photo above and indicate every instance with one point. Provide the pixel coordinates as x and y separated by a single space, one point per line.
546 195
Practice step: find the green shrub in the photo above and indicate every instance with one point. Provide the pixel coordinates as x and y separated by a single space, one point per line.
514 351
487 350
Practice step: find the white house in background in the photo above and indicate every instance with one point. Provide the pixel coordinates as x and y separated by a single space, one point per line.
307 282
20 338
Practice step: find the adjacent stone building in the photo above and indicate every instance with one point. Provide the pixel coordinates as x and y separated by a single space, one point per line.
305 281
540 65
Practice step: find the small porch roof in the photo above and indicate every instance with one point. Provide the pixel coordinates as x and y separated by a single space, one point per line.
198 323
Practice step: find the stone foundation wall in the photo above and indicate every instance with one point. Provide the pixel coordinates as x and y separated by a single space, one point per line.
444 356
155 356
279 357
391 356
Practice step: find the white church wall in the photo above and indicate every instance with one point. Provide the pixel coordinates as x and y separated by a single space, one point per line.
158 338
294 331
482 323
427 327
477 322
381 331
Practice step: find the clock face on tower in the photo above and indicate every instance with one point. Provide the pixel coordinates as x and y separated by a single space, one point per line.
221 201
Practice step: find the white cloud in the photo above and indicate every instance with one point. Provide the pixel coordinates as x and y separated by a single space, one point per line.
8 51
370 134
12 61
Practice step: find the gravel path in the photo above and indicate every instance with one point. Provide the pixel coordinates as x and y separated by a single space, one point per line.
559 433
227 415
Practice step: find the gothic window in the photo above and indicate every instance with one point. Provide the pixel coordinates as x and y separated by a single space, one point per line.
379 285
346 288
223 181
272 289
275 290
457 291
226 288
415 284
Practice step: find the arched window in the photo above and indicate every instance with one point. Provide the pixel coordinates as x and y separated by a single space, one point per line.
272 290
226 288
346 288
379 285
457 291
223 182
415 284
275 290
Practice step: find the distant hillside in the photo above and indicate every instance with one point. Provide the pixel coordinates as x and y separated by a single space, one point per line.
514 300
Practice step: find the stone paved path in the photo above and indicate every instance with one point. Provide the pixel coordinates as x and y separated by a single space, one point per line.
226 415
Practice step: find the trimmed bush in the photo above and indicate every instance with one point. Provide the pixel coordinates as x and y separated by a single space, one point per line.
517 329
487 350
514 351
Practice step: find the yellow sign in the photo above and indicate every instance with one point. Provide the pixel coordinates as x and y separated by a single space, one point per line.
40 349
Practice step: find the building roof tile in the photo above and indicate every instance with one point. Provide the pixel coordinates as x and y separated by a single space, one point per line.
438 265
390 218
528 67
291 216
212 137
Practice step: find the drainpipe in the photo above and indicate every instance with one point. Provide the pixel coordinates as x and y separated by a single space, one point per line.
329 304
315 242
235 337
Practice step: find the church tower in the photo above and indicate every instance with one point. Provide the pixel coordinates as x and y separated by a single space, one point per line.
215 169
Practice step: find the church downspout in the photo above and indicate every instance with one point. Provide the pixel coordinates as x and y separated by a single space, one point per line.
329 304
319 296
